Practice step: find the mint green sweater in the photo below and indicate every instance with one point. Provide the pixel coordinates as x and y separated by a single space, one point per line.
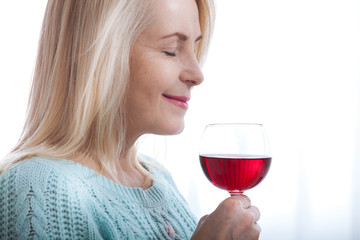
60 199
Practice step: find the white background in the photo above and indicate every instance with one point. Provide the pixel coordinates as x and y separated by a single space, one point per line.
289 64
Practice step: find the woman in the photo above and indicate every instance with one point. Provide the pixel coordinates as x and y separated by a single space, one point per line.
109 71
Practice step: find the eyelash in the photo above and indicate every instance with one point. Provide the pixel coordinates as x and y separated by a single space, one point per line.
170 54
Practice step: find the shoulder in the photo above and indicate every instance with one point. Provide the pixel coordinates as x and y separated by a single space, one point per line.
37 171
41 196
37 164
45 180
38 177
26 169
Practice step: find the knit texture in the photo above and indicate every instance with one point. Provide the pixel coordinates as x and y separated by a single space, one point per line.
60 199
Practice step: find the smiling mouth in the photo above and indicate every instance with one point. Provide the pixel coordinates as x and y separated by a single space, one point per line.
180 101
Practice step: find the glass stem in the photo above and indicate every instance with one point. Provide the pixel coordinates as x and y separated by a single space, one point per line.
236 193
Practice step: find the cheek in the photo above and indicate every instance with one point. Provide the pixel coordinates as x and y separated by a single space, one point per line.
155 78
144 90
151 75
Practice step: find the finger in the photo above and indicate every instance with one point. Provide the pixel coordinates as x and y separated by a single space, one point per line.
257 227
245 200
202 220
254 211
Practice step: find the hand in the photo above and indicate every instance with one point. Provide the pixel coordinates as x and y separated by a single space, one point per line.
234 218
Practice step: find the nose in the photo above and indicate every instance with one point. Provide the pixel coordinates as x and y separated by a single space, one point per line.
191 73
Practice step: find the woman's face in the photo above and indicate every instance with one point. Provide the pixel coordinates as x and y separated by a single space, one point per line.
163 69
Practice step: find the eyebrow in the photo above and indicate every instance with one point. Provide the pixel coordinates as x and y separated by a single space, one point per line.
182 36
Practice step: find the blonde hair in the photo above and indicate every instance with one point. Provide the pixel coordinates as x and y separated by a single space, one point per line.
78 92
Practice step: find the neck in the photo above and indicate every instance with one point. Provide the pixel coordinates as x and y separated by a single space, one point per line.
126 172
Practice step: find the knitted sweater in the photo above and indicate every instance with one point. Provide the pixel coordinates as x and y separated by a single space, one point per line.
60 199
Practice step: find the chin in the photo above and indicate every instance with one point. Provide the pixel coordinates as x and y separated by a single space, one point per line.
179 130
173 129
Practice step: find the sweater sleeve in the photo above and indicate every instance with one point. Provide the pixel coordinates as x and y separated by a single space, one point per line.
35 204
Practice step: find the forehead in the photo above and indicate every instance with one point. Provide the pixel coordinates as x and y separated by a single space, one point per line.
175 16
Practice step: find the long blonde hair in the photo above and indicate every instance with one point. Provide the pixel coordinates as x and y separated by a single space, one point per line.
78 91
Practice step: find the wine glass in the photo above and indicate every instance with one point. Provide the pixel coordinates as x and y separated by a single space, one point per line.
235 156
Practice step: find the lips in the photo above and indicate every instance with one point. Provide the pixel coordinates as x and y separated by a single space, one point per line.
180 101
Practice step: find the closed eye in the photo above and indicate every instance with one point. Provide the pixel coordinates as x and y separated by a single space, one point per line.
171 54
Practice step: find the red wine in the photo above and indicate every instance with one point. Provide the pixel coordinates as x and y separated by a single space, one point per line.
235 173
